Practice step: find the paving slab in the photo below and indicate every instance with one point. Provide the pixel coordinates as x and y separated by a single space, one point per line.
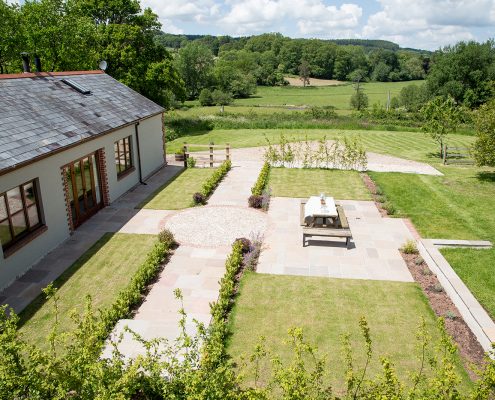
373 253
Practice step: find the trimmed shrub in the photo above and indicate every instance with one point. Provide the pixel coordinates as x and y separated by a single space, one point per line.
198 198
167 238
245 244
191 162
255 201
262 180
212 182
206 98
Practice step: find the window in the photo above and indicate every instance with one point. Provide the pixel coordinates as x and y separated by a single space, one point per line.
19 213
123 155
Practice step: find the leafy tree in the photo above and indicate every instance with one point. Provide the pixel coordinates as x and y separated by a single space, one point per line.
464 71
442 116
413 97
231 79
484 147
11 37
206 97
221 98
359 100
381 72
195 65
304 72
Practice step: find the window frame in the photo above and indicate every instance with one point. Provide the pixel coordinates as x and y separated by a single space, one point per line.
30 230
124 143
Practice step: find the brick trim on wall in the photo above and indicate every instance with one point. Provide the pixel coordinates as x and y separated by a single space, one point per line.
102 167
68 208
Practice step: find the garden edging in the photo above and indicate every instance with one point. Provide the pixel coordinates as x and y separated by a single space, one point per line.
471 310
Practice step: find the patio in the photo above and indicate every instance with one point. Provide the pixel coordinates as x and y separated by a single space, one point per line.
372 254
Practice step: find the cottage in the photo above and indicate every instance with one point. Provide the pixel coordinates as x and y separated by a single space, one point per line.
70 144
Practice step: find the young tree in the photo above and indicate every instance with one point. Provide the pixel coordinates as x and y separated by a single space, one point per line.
359 100
442 116
304 72
484 147
206 97
222 99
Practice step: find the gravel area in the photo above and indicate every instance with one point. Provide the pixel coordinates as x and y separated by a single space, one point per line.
213 226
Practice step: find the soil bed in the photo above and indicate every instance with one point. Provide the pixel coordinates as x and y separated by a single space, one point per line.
371 185
467 344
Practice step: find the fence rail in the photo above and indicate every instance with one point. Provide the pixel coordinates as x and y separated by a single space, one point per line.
208 156
457 155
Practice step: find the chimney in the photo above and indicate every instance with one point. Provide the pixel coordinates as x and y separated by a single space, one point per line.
37 63
25 62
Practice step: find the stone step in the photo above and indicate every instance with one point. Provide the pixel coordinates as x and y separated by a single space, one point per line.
480 244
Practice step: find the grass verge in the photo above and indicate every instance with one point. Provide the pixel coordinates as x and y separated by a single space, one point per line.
177 193
102 272
296 182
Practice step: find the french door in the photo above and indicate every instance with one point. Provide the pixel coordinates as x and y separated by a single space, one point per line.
83 188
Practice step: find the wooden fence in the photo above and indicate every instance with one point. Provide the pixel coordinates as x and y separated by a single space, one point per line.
206 156
457 155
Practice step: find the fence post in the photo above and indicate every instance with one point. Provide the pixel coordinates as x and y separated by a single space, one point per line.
444 154
211 154
227 152
185 155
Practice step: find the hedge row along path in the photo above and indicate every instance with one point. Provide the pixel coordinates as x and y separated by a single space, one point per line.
205 234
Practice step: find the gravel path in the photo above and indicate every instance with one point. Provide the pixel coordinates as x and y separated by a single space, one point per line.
376 162
214 226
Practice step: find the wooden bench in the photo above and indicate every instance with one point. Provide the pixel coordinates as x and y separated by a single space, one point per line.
341 230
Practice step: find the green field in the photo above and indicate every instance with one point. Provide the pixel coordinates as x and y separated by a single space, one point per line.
458 205
268 305
336 96
178 193
102 272
412 145
289 182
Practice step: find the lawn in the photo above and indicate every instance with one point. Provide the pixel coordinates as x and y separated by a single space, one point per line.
104 270
177 193
458 205
412 145
268 305
295 182
336 96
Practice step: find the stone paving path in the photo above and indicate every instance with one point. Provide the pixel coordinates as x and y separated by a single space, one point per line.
205 235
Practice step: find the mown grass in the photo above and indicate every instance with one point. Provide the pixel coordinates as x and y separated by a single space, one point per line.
336 96
104 270
177 193
268 305
458 205
412 145
295 182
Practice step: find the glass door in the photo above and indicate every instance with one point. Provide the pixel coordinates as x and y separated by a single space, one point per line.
84 190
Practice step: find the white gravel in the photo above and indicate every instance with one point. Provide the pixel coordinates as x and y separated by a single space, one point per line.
213 226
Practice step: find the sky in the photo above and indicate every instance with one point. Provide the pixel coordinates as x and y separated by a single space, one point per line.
424 24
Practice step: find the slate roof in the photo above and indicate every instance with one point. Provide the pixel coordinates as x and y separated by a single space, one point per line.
40 114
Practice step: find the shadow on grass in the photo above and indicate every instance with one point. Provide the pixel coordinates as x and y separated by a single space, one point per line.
39 301
486 176
148 199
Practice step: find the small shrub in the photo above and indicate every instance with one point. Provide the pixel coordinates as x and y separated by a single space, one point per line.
265 199
426 271
206 98
451 315
438 288
199 198
212 182
378 190
262 180
381 199
419 260
250 260
191 162
167 238
255 201
389 208
245 244
409 247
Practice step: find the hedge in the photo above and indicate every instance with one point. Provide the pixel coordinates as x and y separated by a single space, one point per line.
262 181
212 182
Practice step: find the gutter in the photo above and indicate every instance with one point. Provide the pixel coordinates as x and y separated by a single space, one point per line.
136 129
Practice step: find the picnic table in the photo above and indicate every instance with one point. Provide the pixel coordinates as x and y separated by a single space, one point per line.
315 208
